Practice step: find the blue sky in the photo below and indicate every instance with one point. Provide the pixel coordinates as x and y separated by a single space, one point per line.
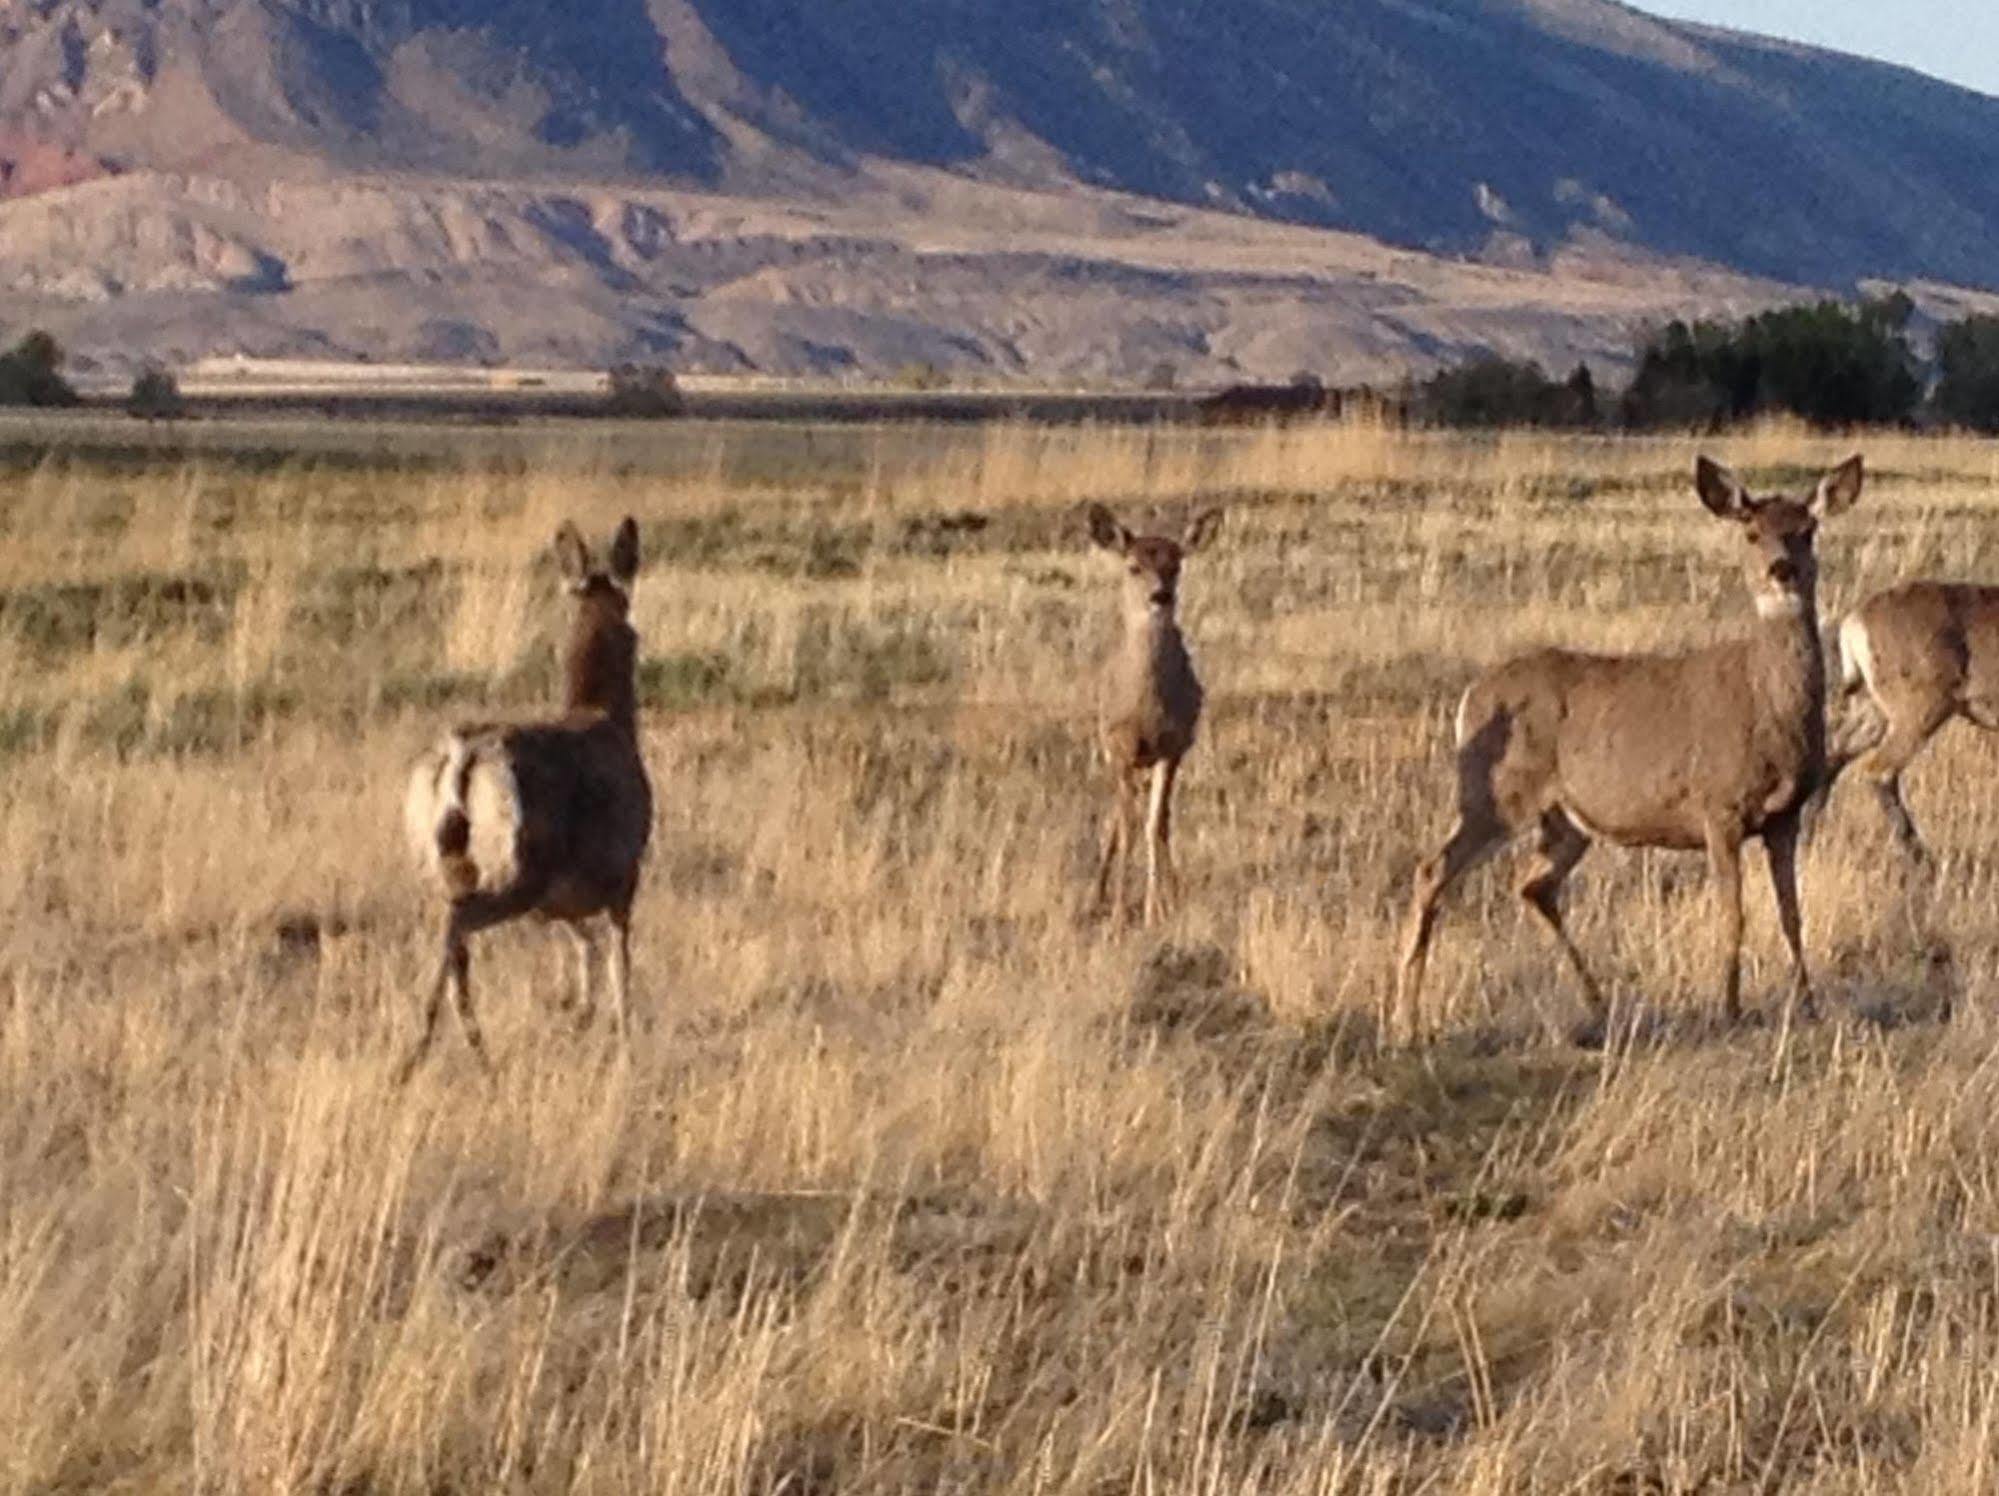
1954 39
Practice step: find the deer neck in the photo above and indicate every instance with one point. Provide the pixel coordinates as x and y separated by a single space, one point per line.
1789 655
598 671
1149 671
1152 635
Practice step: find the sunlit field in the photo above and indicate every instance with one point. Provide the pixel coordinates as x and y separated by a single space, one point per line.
915 1177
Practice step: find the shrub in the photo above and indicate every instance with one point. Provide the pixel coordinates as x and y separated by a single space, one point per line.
1581 408
155 395
29 373
921 377
643 390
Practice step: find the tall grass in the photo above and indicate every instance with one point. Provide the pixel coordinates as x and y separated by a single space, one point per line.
913 1178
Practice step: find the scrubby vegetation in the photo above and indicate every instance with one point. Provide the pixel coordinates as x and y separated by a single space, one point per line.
1832 364
647 390
31 373
155 395
1494 392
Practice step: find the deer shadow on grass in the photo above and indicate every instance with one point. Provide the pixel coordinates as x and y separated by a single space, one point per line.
725 1244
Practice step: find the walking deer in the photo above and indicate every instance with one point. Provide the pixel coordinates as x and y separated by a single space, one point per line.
1917 656
548 817
1149 703
1693 751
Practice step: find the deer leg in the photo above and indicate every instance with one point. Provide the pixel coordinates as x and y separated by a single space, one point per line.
1476 837
469 915
461 1003
1884 764
1724 855
1111 864
1158 840
585 998
453 977
1561 846
453 958
1781 842
1861 727
621 969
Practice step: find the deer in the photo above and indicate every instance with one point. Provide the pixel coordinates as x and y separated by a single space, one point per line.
549 817
1699 751
1916 656
1149 704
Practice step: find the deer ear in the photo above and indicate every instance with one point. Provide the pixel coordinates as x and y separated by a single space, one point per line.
625 552
1838 489
1105 530
1200 530
572 556
1721 490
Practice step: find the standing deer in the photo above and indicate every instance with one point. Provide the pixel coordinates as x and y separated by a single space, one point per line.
549 817
1692 751
1922 653
1149 702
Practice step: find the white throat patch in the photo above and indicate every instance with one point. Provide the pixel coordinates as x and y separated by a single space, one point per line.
1779 605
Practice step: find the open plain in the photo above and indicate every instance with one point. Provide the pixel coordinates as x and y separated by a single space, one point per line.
914 1178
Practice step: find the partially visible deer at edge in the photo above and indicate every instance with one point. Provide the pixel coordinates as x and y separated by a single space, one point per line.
1912 658
1149 704
549 817
1694 751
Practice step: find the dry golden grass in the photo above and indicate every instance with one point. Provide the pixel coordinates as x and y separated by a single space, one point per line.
914 1180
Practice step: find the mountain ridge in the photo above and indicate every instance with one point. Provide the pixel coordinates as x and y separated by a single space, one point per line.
1560 137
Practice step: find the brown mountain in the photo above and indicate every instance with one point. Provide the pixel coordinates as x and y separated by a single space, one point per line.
1088 187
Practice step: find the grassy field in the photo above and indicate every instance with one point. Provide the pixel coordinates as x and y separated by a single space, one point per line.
914 1179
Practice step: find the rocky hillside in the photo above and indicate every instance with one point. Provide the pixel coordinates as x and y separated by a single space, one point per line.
832 184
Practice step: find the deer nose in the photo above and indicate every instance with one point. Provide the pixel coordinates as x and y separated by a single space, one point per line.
1162 597
1783 573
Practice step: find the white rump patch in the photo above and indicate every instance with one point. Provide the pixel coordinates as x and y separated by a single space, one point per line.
455 775
428 796
493 806
1856 653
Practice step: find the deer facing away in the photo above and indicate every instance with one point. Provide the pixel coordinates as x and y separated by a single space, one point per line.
1148 704
548 817
1916 655
1699 751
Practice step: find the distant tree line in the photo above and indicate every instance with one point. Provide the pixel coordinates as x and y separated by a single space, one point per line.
1495 391
1832 363
1967 389
31 374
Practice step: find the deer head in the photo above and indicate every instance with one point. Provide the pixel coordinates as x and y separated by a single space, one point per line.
603 650
1779 565
1152 562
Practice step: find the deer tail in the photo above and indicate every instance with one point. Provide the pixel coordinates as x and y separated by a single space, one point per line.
440 810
